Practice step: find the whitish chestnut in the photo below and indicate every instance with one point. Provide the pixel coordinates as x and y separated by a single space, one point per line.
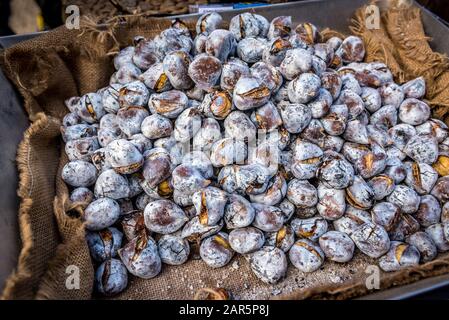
371 99
306 256
104 244
111 277
296 61
101 214
111 184
295 116
248 25
321 105
331 81
239 212
414 111
304 88
371 239
90 108
399 256
429 211
141 257
82 194
250 92
228 151
441 189
216 251
301 193
269 264
195 231
405 226
422 149
133 94
187 124
205 71
155 78
168 104
123 156
282 239
415 88
280 27
311 228
268 218
130 119
352 220
382 185
439 233
173 250
308 32
276 191
352 49
391 94
231 72
425 245
335 172
176 65
207 135
420 176
337 246
208 22
79 173
386 214
331 202
78 131
220 43
435 128
405 198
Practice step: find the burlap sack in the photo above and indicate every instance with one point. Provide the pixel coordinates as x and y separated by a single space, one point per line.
64 63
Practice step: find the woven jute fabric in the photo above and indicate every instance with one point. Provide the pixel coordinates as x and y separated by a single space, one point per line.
400 42
64 63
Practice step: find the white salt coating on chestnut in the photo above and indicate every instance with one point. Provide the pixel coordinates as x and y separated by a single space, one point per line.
263 141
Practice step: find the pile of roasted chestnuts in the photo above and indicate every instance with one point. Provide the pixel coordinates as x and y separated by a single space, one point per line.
261 140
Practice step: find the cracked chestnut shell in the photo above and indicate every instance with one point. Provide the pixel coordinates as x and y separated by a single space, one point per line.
331 202
282 239
101 213
425 245
173 250
250 92
337 246
239 212
104 244
306 256
268 218
123 156
269 264
141 257
111 277
311 228
210 205
400 256
208 22
168 104
79 173
335 172
216 251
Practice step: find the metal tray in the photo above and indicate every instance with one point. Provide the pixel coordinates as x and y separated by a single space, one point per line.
335 14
